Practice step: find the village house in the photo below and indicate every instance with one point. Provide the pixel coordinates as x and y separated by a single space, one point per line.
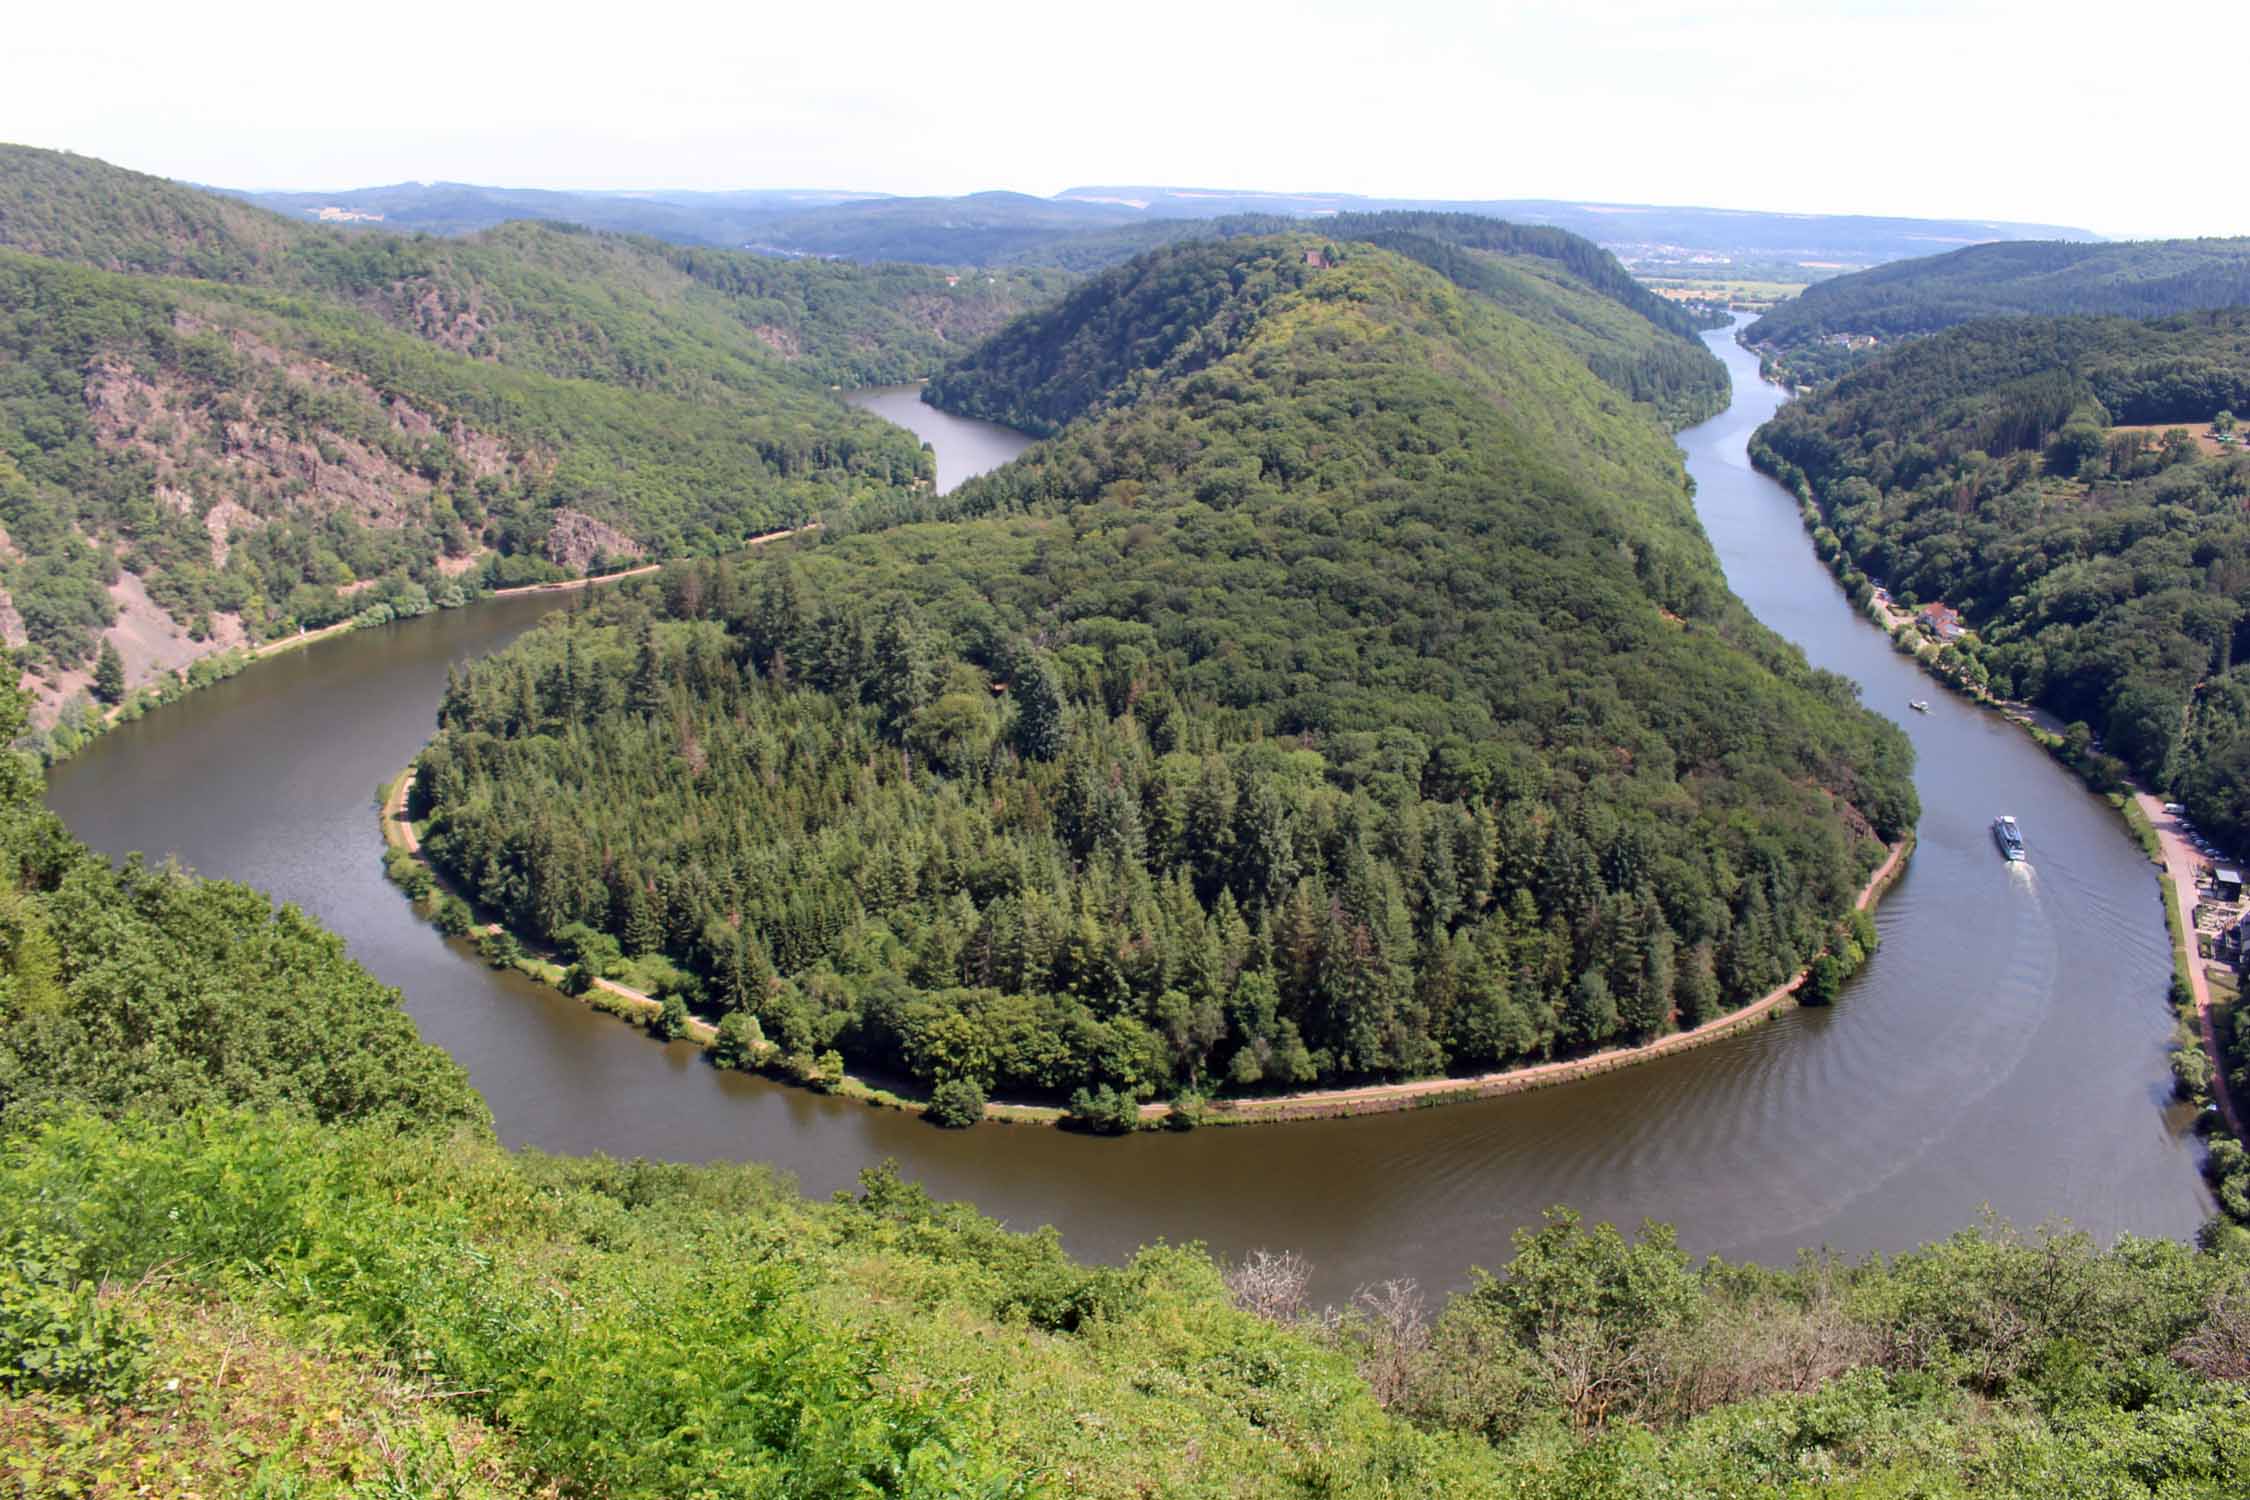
1942 621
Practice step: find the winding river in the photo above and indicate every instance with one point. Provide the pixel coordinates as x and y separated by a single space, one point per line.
2006 1047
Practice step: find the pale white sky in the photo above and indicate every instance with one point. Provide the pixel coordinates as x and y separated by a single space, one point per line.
2105 116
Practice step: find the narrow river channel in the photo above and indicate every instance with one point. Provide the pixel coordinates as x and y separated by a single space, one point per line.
2006 1047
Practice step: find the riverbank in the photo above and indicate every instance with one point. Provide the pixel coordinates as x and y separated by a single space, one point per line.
2140 810
61 741
1422 1093
2180 862
572 585
636 1006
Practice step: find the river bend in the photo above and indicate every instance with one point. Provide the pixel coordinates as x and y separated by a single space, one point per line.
2006 1047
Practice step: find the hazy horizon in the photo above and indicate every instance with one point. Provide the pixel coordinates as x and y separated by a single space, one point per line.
1940 109
859 192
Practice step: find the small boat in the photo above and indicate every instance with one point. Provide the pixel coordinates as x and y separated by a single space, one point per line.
1920 705
2009 837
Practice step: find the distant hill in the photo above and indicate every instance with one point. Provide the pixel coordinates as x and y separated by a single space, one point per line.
976 229
1854 238
2141 279
726 218
1631 338
1086 228
217 425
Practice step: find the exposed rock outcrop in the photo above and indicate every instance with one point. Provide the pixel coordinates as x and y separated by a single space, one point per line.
578 540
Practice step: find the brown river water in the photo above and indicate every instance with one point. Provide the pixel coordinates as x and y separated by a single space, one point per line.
2005 1048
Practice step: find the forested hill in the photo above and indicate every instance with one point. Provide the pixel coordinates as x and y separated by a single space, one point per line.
217 426
2059 482
1349 693
1633 339
545 296
2139 279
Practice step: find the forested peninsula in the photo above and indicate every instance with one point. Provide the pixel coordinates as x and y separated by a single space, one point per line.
1346 691
219 427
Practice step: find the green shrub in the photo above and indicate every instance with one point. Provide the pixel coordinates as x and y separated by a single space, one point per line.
955 1104
1103 1111
739 1044
453 917
54 1332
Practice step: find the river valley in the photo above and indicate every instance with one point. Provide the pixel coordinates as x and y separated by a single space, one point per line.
2006 1046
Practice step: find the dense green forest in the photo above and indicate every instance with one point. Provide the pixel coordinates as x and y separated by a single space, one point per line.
251 416
246 455
1352 694
259 1241
2022 471
1909 298
1628 336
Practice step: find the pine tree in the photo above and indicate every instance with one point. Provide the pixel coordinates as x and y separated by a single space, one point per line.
643 935
1038 730
906 670
109 673
646 694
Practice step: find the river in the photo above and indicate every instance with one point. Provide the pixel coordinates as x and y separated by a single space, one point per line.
2005 1047
965 448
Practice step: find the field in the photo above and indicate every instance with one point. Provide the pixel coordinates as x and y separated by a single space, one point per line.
2205 439
1734 290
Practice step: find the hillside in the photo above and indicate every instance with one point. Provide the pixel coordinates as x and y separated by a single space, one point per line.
1813 332
548 296
1346 691
1630 338
256 1245
2043 477
217 426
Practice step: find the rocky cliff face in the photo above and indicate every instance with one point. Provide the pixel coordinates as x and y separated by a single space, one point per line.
578 541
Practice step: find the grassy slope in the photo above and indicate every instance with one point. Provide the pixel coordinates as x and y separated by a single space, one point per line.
466 1322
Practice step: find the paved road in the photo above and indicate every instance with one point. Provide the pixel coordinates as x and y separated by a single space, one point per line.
2180 865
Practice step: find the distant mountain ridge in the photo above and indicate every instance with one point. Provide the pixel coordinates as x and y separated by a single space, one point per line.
980 228
1830 327
1686 227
